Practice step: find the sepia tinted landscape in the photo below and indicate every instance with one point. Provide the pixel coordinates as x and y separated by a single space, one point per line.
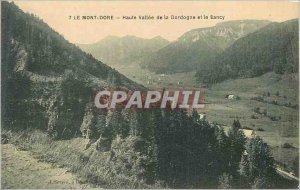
53 137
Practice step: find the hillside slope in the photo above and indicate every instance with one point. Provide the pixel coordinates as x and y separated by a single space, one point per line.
199 46
123 50
47 82
274 47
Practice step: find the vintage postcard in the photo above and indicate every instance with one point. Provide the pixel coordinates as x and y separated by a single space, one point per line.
149 94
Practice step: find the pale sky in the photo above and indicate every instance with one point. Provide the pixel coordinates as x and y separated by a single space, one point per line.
56 14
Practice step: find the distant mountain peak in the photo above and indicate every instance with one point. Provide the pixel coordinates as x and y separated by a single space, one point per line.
158 38
130 37
200 45
107 38
124 50
234 29
246 21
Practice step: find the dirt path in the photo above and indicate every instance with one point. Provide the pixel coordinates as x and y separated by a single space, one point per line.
286 174
20 170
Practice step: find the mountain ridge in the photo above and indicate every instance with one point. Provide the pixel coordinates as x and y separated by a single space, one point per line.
199 46
123 50
271 48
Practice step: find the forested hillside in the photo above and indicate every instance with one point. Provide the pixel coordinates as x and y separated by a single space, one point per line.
48 86
124 50
272 48
197 47
47 82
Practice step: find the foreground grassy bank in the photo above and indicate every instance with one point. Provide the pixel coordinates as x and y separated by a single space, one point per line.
21 171
97 169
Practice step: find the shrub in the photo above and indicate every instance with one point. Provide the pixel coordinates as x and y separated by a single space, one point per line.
287 145
289 104
258 98
260 129
257 110
265 113
274 118
254 116
295 106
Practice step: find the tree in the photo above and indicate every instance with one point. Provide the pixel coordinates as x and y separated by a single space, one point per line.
222 148
224 181
237 142
296 165
257 164
118 124
113 78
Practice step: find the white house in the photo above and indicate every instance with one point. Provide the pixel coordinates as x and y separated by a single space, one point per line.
202 116
249 133
230 96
